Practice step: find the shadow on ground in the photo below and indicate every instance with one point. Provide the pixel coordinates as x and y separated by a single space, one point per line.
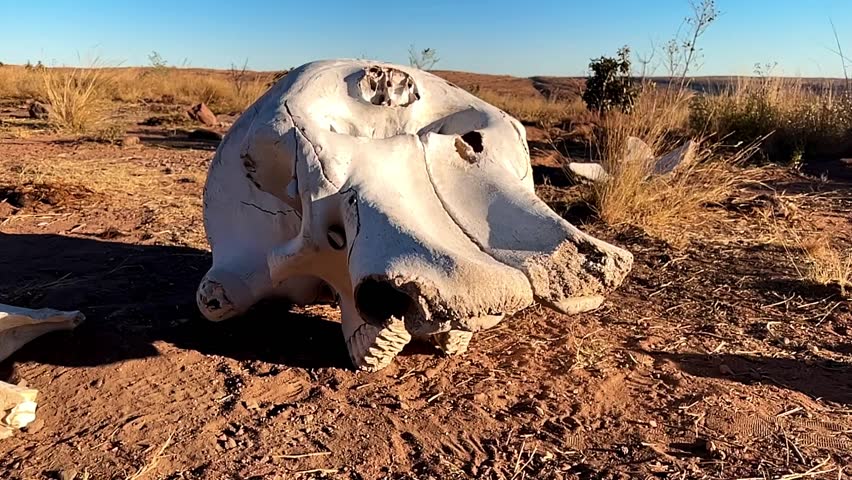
183 140
134 295
823 379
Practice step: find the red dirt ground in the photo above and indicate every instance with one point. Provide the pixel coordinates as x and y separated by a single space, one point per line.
712 361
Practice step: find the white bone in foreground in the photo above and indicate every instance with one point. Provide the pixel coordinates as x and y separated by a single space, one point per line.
17 327
410 198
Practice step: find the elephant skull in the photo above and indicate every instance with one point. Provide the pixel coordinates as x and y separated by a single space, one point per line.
410 198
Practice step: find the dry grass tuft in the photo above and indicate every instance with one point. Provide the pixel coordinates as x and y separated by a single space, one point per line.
813 256
818 260
76 99
152 464
828 265
222 92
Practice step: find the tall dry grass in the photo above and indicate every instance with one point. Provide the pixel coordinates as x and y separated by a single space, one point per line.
219 90
826 264
539 111
19 83
800 118
183 86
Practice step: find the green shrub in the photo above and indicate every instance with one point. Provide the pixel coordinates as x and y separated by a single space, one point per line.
610 86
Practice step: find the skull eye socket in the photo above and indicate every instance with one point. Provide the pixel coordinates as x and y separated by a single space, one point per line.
336 237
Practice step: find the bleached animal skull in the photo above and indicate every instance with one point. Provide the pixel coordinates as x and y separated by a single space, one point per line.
412 199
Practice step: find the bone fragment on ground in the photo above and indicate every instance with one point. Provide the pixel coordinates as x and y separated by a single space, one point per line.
635 150
17 408
679 158
411 198
19 326
587 172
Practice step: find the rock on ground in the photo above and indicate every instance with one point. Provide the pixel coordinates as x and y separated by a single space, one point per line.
39 110
201 113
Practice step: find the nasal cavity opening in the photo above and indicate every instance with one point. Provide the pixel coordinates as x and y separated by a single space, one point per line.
378 301
474 139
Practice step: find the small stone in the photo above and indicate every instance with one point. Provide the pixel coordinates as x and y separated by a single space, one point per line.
39 110
231 443
201 113
480 398
69 474
636 150
130 141
34 427
652 423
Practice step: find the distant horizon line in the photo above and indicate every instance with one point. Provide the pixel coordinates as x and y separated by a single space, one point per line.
226 69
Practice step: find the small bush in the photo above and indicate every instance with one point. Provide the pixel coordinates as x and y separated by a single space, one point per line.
610 86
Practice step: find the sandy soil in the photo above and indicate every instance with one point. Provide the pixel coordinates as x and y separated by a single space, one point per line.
713 360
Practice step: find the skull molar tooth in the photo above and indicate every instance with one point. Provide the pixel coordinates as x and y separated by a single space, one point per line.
373 348
454 342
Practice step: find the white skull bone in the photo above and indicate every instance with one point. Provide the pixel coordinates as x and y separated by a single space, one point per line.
412 199
18 326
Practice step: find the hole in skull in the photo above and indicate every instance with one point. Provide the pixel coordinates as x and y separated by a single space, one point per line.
468 145
336 237
379 301
474 139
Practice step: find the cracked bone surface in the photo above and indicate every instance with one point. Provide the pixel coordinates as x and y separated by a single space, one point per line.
19 326
409 197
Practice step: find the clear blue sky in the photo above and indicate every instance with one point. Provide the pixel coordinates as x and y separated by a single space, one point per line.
543 37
